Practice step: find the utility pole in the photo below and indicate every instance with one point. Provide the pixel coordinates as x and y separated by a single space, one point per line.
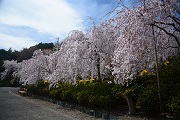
157 66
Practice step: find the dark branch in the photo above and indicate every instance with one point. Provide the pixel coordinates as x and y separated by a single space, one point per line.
175 19
168 33
171 24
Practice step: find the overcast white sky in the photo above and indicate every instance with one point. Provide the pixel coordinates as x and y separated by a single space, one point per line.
24 23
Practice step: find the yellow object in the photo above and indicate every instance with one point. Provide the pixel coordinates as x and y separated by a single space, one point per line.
81 81
92 80
45 81
144 72
166 63
87 81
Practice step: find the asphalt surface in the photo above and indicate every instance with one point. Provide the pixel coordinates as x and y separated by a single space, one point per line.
15 107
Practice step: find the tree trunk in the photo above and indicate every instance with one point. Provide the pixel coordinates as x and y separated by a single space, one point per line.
130 103
98 69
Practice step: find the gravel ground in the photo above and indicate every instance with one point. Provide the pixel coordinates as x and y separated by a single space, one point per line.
74 113
65 112
15 107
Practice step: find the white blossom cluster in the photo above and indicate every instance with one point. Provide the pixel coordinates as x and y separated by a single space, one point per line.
123 45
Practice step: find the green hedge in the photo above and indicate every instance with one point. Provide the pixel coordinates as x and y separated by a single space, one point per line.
95 94
145 88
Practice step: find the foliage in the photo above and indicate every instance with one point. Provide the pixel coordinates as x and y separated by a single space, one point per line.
5 55
144 88
42 88
25 53
170 84
147 94
174 104
93 94
45 46
30 88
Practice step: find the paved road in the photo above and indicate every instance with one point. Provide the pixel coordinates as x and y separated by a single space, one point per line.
14 107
